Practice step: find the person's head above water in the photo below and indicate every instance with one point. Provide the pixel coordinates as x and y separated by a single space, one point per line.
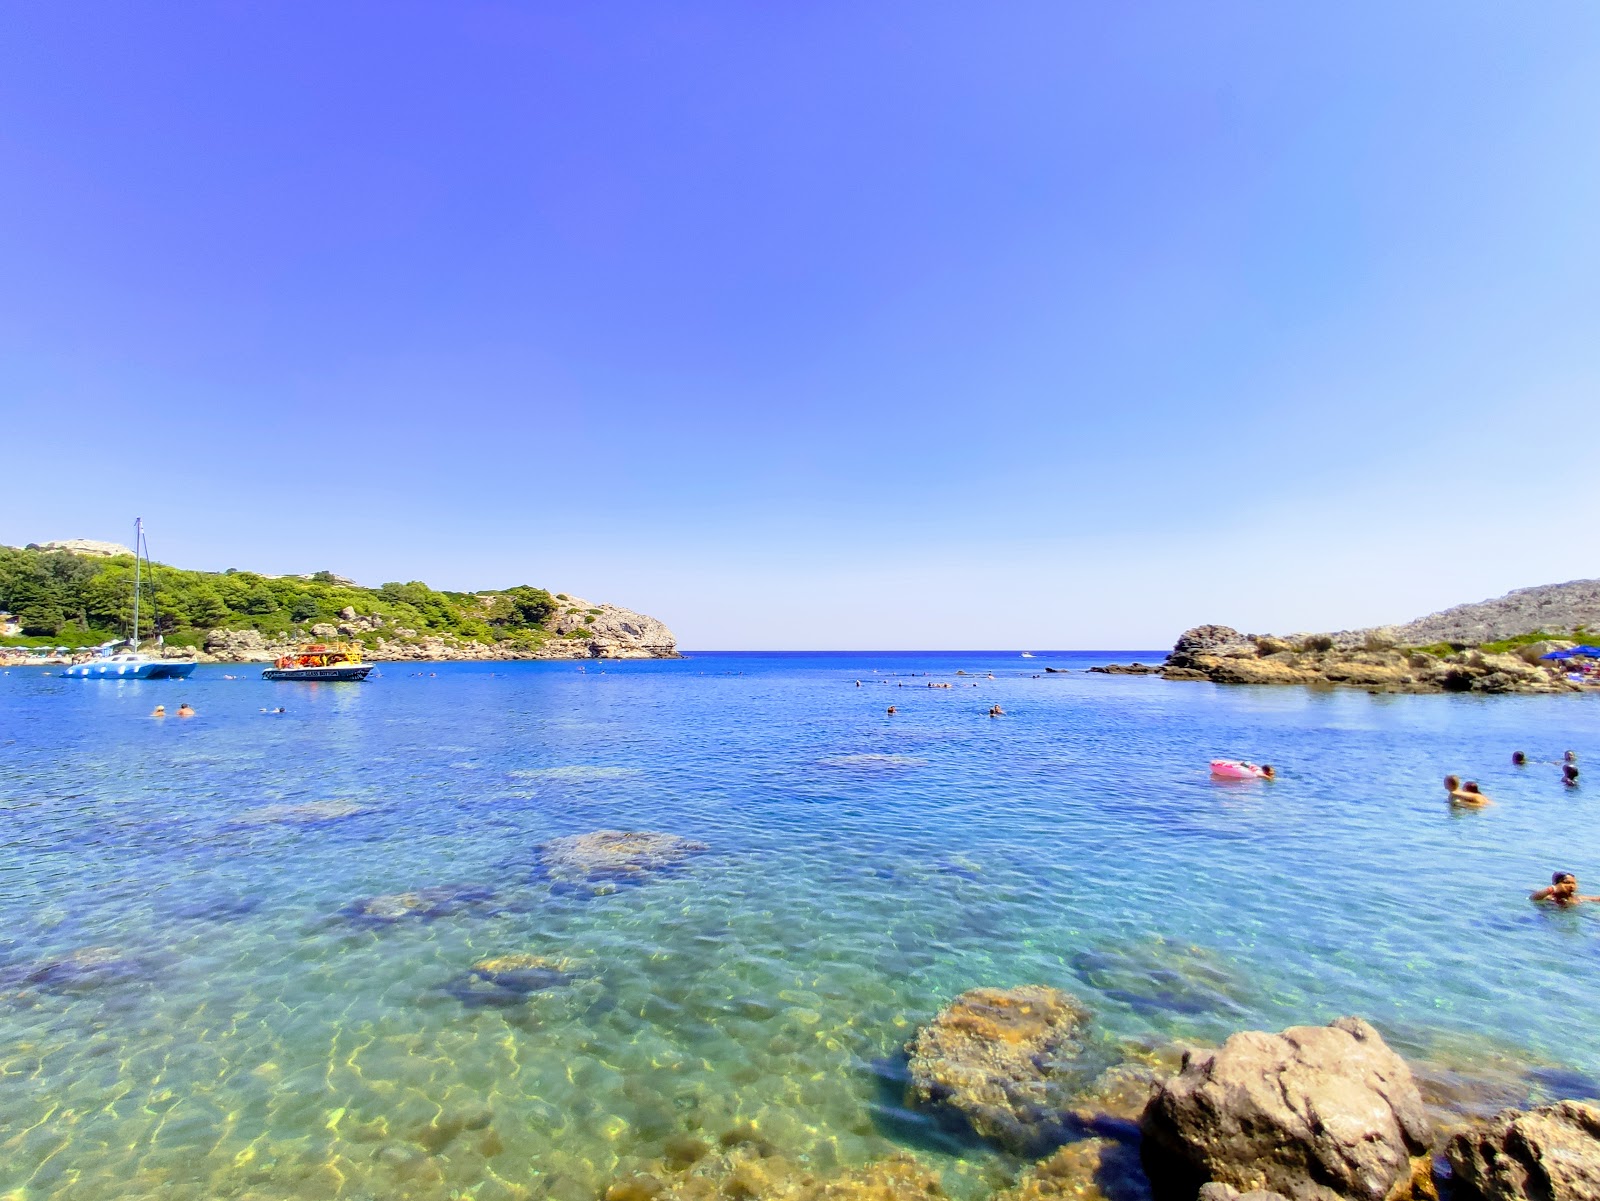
1471 786
1570 757
1268 771
1563 878
1452 782
1518 758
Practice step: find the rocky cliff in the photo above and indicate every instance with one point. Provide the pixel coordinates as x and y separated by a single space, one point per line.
1392 658
578 630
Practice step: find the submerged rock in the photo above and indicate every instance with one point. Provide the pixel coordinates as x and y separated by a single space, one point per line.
1162 975
615 855
84 968
309 813
1547 1154
505 980
1092 1169
752 1171
421 903
1008 1061
1317 1113
872 762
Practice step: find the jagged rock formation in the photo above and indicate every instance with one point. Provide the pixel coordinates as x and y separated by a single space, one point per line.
1317 1113
1547 1154
611 632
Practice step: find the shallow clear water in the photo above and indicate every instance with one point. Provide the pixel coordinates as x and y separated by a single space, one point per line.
240 1032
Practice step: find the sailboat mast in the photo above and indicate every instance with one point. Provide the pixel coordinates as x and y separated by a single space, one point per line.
138 540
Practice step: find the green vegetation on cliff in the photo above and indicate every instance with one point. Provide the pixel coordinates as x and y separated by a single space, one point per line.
78 600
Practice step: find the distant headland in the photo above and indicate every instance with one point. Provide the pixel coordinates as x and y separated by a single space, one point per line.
79 593
1489 646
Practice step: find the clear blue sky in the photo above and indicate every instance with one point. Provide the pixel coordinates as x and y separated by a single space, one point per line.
817 325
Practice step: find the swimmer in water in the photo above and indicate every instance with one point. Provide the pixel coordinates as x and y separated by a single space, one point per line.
1570 757
1569 775
1467 794
159 711
184 710
1563 891
891 709
996 711
1518 759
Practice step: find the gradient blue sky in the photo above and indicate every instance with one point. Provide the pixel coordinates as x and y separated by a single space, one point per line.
816 325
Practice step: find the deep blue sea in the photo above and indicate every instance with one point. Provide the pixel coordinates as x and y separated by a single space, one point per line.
193 1003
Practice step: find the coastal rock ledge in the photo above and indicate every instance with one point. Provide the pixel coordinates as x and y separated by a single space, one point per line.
1491 646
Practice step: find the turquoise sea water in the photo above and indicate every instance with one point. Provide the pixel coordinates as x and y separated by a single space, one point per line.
192 1005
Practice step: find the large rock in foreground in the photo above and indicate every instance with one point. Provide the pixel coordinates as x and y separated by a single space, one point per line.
1547 1154
1006 1060
1317 1113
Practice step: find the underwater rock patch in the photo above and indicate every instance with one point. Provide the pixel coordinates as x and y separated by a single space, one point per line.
505 980
872 762
1007 1061
308 813
420 903
84 968
614 855
1158 975
744 1171
1092 1169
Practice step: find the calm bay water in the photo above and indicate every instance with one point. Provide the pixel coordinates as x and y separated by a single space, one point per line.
189 1007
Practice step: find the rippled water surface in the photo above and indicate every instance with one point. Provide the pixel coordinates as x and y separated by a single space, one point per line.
194 1002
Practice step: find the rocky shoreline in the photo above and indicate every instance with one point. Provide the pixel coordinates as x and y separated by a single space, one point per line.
1492 646
1225 656
1311 1113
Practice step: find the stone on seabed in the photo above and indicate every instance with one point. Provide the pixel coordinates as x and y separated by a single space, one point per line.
1002 1059
1317 1113
615 854
1547 1154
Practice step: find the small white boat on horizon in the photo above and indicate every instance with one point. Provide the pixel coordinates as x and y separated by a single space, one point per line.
1027 654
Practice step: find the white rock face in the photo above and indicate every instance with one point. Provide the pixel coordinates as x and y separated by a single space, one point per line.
88 546
613 633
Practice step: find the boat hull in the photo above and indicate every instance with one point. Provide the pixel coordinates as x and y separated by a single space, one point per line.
339 671
150 669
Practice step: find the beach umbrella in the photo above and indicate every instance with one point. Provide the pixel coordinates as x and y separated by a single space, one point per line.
1559 654
1588 652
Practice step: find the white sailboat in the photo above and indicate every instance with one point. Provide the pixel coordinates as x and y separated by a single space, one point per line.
112 664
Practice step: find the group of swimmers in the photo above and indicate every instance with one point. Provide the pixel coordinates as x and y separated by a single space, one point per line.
183 710
1469 795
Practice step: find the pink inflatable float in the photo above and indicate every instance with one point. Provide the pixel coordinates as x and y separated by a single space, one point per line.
1238 769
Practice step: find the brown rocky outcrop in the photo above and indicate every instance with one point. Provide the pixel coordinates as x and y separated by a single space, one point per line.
1006 1060
1224 656
1316 1113
1547 1154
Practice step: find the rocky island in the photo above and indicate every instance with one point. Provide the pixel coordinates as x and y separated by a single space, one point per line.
79 593
1490 646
